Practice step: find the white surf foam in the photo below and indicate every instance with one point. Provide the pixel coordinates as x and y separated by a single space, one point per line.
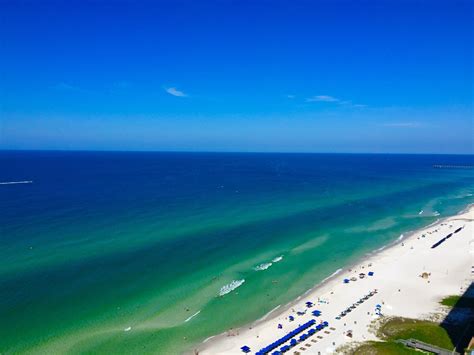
421 212
230 287
333 274
262 267
207 339
266 315
194 315
278 258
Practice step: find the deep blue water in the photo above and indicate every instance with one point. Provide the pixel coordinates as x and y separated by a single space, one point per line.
100 241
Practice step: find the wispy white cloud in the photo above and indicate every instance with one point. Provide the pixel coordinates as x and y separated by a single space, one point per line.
335 100
402 124
290 96
175 92
322 98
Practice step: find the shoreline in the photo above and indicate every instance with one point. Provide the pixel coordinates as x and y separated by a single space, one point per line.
219 343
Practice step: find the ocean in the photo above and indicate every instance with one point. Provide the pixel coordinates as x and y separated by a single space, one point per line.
152 252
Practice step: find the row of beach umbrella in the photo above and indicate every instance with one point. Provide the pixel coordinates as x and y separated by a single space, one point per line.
361 276
303 337
285 338
354 305
289 337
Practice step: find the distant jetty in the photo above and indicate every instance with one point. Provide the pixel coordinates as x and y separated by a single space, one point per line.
442 166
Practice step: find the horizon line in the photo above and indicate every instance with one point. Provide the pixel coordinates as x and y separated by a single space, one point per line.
219 152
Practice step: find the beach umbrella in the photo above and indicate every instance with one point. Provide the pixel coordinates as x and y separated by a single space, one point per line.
291 318
346 281
280 326
370 273
245 349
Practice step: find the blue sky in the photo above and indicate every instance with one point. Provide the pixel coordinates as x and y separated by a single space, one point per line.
297 76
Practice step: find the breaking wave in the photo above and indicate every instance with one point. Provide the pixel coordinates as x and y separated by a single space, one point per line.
230 287
262 267
278 258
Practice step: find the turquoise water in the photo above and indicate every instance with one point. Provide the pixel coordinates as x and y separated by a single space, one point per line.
113 252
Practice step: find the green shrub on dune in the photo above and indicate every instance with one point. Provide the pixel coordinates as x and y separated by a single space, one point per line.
397 328
422 330
384 348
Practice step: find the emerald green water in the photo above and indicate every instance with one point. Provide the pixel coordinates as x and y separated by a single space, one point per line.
101 243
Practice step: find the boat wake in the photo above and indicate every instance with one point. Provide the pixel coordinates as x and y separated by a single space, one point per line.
16 182
230 287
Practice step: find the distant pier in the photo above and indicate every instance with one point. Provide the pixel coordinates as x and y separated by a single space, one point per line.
443 166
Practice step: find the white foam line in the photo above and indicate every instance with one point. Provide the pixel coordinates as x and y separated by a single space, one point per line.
194 315
266 315
333 274
16 182
207 339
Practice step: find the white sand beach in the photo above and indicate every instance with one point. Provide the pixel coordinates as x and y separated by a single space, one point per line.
400 291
